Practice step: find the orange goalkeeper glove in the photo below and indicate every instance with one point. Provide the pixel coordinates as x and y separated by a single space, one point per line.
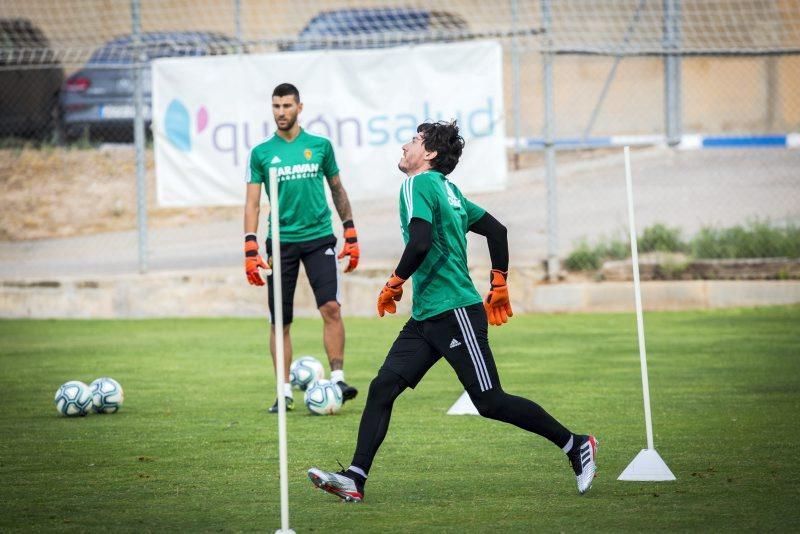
496 303
391 293
350 247
253 261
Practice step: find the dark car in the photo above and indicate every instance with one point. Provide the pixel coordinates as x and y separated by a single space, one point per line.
98 99
30 77
376 28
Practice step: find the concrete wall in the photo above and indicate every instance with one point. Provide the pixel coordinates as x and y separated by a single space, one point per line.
225 293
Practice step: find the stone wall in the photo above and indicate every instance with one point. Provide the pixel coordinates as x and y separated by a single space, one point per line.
677 267
225 293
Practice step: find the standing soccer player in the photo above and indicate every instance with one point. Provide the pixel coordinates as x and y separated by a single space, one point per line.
448 317
302 163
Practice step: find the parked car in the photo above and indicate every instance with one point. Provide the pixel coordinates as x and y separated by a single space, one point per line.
98 99
30 77
375 28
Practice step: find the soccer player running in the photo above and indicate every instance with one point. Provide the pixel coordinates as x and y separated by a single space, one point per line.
448 318
302 163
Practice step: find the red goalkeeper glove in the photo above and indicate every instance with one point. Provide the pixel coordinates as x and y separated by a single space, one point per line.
496 303
253 261
391 293
350 247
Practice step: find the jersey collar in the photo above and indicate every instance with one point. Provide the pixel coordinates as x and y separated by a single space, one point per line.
299 135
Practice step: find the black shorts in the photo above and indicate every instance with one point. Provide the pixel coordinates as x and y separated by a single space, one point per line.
319 260
460 335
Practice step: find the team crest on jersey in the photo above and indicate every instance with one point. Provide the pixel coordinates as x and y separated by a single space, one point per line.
307 154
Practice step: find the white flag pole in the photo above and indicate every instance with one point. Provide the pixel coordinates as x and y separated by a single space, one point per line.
279 364
647 465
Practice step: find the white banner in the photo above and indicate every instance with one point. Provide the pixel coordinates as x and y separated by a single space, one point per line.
208 113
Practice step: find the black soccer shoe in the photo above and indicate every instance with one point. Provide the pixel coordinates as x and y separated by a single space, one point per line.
348 392
346 485
583 458
289 405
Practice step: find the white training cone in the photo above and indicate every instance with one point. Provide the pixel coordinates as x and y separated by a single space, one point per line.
647 466
463 406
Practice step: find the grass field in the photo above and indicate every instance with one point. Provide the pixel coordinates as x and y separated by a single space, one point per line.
193 449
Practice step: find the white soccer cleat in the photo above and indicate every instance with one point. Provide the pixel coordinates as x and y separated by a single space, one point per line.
337 484
583 458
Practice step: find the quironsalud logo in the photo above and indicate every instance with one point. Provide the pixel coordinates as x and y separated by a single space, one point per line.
178 124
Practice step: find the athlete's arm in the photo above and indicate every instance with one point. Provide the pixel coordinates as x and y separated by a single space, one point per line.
342 203
340 200
419 243
496 237
252 207
252 259
496 303
420 240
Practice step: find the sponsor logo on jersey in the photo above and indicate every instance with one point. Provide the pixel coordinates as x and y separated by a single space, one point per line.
451 197
307 154
296 172
276 159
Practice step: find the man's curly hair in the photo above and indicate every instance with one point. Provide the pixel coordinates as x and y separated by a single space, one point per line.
442 137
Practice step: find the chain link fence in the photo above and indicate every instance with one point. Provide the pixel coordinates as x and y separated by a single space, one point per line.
707 92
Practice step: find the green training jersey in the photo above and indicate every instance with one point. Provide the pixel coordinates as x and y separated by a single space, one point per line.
442 282
301 167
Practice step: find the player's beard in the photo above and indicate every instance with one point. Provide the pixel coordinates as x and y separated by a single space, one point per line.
403 164
289 124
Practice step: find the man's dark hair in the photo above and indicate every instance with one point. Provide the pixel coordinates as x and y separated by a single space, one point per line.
442 137
286 89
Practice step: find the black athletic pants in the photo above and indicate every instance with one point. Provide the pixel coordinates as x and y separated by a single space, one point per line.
319 260
460 335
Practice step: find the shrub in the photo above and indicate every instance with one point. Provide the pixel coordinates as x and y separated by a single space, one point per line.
614 250
756 239
660 238
583 258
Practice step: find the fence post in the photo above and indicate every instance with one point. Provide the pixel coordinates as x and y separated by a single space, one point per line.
140 59
237 22
515 86
553 266
672 70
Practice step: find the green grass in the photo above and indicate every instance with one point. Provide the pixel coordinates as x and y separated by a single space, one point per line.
194 450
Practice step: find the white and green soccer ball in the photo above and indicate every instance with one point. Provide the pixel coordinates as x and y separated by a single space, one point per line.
323 397
73 398
107 395
304 371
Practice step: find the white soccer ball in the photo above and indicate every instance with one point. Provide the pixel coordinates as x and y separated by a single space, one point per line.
73 398
107 395
323 397
304 371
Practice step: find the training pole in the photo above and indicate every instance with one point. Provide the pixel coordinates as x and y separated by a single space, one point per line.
277 307
647 465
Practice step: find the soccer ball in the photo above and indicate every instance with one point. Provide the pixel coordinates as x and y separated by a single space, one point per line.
107 395
304 371
323 397
73 398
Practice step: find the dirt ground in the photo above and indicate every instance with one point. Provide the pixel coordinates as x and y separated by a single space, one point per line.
57 192
67 192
